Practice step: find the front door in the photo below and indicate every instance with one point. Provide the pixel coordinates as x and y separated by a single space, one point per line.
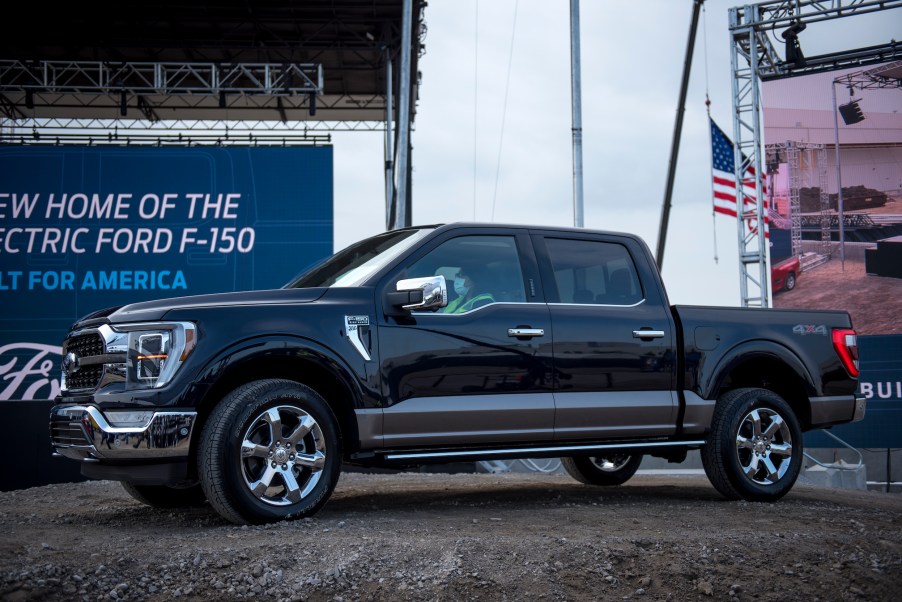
478 370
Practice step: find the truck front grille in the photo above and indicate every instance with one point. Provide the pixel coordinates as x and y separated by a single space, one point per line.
84 345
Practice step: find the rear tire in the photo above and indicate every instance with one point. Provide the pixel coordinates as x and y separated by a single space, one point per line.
609 470
270 451
754 451
166 496
790 281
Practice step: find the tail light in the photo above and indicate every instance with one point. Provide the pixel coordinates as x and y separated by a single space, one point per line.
846 344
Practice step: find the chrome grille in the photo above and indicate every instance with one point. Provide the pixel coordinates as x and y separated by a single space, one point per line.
85 345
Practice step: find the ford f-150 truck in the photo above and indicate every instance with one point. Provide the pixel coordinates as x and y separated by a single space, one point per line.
460 342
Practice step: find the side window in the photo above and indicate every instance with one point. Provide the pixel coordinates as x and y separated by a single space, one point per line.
478 269
593 272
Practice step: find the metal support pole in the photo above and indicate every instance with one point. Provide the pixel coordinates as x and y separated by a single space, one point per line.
576 108
389 151
763 263
677 134
839 203
402 149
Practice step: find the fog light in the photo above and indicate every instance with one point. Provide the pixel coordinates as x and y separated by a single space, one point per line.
129 418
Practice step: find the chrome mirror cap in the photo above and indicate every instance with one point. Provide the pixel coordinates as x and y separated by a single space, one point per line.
435 292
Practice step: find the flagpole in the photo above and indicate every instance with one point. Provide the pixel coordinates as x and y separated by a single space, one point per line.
711 147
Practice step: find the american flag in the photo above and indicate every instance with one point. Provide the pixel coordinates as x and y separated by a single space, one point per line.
725 180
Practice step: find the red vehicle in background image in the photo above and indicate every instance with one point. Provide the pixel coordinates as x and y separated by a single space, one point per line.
785 274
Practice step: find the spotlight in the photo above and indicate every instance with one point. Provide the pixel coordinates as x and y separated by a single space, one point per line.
851 113
123 103
793 49
222 100
312 104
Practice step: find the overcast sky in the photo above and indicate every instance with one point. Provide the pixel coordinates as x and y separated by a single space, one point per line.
632 60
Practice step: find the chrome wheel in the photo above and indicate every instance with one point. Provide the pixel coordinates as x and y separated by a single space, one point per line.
754 449
283 453
764 446
611 463
613 469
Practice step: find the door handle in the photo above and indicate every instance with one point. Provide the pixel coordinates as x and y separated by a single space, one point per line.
648 334
525 332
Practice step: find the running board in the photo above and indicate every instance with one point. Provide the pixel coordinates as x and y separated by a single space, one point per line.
531 452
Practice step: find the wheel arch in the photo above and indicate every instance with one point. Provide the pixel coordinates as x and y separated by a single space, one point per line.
766 365
300 361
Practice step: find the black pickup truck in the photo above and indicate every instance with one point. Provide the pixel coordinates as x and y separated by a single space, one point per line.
460 342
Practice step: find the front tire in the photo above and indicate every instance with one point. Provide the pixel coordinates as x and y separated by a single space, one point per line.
754 451
608 470
270 451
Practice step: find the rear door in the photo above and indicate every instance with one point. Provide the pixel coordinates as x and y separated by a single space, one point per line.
615 369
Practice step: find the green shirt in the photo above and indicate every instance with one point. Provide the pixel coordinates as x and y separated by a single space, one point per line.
459 305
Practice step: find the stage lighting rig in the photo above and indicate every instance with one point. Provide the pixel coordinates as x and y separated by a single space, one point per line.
851 113
793 48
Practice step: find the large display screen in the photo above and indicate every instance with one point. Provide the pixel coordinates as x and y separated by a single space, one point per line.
84 228
847 252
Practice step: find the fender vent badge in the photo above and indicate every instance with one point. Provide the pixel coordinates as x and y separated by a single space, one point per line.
354 326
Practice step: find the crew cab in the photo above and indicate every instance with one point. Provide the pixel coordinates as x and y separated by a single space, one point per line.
459 342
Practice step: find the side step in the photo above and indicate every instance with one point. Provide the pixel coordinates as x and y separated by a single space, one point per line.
444 455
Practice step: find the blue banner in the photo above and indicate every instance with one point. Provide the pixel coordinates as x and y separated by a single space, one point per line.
881 384
84 228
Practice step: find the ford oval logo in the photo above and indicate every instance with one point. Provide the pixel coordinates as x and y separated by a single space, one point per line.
70 363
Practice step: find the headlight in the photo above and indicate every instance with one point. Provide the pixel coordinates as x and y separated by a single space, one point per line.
155 355
142 355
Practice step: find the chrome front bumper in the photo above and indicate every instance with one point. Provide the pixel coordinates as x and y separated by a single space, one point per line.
83 432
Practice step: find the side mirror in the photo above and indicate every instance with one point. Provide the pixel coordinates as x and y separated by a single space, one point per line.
420 293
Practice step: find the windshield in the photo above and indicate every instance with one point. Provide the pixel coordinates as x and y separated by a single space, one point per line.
353 265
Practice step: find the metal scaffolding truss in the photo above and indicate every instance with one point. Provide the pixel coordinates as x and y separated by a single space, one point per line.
766 18
754 58
99 132
195 72
190 132
804 158
64 77
878 78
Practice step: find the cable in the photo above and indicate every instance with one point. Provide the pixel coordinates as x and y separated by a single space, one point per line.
475 103
510 60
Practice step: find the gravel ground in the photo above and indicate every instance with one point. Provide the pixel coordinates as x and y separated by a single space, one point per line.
419 536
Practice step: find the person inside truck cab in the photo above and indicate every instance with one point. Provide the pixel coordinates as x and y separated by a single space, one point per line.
469 285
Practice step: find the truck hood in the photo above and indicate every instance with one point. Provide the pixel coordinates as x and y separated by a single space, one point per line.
157 310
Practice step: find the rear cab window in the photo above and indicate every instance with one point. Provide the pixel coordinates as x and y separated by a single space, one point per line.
593 272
